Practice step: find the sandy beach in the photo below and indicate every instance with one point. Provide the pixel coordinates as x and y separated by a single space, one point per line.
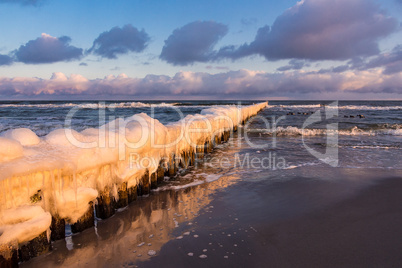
331 224
299 222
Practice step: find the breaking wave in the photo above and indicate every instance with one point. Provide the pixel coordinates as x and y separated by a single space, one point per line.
90 105
355 131
343 107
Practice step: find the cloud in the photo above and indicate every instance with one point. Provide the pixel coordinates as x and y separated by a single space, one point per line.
320 30
294 65
210 67
23 2
48 49
336 69
391 62
5 60
119 41
194 42
388 62
242 84
83 64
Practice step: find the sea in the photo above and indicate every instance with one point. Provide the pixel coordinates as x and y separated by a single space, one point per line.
292 158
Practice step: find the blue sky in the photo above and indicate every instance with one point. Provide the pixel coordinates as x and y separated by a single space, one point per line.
312 49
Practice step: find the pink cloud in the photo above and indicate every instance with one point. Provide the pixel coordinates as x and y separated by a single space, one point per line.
241 84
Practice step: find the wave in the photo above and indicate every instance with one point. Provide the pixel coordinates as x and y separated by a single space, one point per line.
301 106
368 108
355 131
90 105
344 107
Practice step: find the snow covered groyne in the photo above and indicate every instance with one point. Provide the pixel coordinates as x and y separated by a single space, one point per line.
45 182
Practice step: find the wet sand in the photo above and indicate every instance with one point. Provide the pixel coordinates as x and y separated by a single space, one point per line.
298 223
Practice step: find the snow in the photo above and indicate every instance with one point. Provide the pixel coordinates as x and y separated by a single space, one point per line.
23 224
24 136
10 149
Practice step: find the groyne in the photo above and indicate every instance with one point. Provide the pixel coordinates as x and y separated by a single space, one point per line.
70 177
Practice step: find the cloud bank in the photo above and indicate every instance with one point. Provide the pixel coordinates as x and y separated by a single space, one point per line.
48 49
241 84
320 30
119 41
194 42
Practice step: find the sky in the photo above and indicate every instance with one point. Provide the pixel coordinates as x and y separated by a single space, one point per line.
184 49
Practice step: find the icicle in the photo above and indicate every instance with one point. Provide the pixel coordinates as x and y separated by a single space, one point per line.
52 179
48 232
3 189
59 178
28 188
75 188
101 182
10 189
112 174
43 190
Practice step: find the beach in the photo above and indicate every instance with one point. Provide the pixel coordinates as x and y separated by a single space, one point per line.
301 222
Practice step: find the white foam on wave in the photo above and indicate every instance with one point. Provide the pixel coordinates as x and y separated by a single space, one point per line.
179 187
355 131
300 106
90 105
201 179
302 165
367 108
343 107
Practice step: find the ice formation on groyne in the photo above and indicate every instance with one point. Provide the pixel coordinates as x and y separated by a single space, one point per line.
61 174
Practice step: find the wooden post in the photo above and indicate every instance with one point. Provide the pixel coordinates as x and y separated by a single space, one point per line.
160 173
172 169
154 181
144 184
37 246
200 152
57 228
8 256
132 194
86 221
106 203
123 196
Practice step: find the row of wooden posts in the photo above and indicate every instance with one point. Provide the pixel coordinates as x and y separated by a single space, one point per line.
106 205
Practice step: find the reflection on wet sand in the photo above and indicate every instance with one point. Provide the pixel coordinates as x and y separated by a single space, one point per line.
137 232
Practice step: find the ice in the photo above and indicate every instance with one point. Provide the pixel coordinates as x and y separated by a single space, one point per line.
23 224
72 204
151 252
23 135
10 149
62 172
